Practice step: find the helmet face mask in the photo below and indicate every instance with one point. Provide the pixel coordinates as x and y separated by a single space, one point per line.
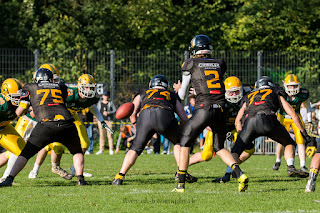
263 82
54 70
292 84
43 75
159 81
87 86
11 90
200 44
234 90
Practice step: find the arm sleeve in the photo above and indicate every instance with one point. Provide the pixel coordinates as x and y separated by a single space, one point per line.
185 82
94 110
113 108
119 141
309 111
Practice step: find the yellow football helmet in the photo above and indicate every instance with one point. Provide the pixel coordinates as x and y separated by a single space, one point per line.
11 90
54 70
233 85
292 80
87 85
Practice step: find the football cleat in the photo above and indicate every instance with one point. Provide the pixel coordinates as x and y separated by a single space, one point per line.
243 183
86 174
292 171
180 188
303 172
81 182
32 174
224 179
276 166
117 180
7 182
304 169
62 173
311 185
189 178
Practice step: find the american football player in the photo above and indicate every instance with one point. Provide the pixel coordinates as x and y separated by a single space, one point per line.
206 76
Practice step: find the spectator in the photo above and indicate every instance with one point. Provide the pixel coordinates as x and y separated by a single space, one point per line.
126 136
107 110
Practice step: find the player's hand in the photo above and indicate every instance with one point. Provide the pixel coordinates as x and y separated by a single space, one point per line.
104 125
177 86
192 91
310 151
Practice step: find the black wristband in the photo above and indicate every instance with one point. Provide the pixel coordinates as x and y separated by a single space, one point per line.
134 123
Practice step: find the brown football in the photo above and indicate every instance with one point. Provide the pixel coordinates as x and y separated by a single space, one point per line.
124 111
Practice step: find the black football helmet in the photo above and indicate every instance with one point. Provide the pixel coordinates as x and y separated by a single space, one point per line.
263 82
159 81
200 44
43 74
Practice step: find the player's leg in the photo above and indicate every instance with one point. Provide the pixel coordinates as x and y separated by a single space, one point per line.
110 138
192 130
41 156
102 138
84 140
56 155
279 153
314 170
144 132
301 149
67 134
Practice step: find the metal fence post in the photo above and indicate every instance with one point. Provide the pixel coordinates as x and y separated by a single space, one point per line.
259 65
36 56
112 65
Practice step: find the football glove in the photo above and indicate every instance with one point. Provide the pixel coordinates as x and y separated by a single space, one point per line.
311 144
104 125
310 151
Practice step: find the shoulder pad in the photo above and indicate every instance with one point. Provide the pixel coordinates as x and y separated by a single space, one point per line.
187 65
246 89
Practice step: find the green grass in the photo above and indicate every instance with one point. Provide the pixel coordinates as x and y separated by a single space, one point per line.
148 185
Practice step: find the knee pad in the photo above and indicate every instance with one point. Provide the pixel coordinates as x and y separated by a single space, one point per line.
58 148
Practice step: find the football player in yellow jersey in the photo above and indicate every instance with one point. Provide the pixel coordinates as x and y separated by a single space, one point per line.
234 93
9 137
296 97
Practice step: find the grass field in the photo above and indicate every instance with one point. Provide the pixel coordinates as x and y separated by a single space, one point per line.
148 185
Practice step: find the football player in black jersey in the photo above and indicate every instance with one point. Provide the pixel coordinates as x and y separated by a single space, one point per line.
55 123
156 107
258 115
206 76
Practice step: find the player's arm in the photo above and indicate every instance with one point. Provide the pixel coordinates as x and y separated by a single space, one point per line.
181 113
24 103
240 114
290 111
181 88
94 110
136 102
309 111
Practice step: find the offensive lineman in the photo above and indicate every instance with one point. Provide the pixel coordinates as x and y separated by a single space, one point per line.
55 123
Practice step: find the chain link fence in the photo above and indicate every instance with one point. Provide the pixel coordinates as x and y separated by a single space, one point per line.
123 72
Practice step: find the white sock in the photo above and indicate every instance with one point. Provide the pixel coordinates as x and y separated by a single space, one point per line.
290 162
36 168
278 160
302 163
55 164
11 161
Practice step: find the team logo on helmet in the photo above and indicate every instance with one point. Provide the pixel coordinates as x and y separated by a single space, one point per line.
54 70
